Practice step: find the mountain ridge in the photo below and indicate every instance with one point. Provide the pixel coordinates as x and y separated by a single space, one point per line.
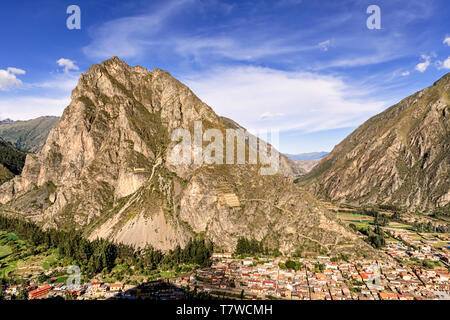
104 170
399 157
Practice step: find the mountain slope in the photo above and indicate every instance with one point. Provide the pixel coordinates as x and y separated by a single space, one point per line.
27 135
104 169
288 167
307 165
399 157
11 161
5 174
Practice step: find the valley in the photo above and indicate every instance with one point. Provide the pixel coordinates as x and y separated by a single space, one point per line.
96 189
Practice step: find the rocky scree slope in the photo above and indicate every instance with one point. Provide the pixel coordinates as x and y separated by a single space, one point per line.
104 170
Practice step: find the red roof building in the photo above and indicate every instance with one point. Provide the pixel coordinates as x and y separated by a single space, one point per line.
39 293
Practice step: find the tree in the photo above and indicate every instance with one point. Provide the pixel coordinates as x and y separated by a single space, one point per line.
291 265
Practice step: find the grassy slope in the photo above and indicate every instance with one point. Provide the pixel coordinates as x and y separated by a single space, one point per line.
28 135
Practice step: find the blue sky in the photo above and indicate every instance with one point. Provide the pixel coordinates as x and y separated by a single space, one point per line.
309 68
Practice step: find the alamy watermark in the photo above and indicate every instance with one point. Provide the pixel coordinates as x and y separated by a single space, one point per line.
240 147
374 20
73 282
74 20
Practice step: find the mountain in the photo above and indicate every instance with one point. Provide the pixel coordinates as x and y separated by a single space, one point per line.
27 135
11 161
105 170
307 165
288 167
307 156
306 161
399 157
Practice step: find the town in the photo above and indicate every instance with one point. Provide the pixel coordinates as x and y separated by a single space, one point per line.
416 267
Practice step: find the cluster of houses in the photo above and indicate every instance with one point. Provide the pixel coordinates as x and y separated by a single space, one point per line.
387 279
403 275
157 290
92 290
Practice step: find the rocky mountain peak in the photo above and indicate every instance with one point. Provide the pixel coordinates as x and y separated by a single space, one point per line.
104 170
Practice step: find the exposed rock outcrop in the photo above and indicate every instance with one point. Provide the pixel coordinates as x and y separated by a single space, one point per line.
104 169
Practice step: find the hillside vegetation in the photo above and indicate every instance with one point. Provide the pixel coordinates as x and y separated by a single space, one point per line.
11 161
28 135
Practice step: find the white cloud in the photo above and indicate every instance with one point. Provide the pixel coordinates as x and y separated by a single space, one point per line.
446 63
67 64
423 66
406 73
16 71
447 41
303 101
36 99
29 107
8 79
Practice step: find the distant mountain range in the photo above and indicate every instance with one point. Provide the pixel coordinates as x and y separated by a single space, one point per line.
28 135
307 156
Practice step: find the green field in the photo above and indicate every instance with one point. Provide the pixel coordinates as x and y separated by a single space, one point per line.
49 261
18 257
363 221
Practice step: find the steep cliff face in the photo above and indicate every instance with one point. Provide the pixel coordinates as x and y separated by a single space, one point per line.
105 169
399 157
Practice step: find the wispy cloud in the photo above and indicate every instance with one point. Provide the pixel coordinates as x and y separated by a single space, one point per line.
252 40
48 97
325 45
284 100
131 36
29 107
267 115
